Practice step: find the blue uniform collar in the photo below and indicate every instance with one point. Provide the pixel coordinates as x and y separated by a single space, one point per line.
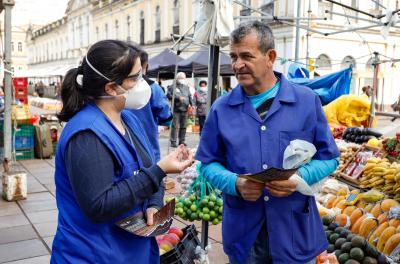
285 94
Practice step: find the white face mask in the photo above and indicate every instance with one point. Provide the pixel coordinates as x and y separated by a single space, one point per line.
182 81
138 96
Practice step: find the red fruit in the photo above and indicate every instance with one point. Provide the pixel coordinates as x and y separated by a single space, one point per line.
159 238
176 231
166 245
172 238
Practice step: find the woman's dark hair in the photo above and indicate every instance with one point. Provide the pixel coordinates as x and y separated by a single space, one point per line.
114 59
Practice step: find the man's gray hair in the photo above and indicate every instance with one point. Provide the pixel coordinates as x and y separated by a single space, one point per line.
181 75
262 30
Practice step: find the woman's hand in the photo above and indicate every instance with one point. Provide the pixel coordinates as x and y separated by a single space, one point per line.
177 161
149 215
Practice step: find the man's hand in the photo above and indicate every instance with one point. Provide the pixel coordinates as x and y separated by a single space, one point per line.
149 215
281 188
249 190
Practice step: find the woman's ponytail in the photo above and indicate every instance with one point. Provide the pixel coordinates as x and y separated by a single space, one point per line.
71 94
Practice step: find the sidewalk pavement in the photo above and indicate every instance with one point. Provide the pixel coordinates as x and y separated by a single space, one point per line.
27 227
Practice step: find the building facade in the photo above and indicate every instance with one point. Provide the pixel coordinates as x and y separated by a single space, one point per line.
150 23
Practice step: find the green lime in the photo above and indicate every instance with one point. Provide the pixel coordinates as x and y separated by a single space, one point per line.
179 211
212 214
193 207
206 217
188 203
219 202
201 215
203 203
183 215
220 210
215 221
220 217
193 216
211 204
206 210
213 198
192 198
179 205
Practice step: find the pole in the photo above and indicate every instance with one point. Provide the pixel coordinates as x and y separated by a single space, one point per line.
296 48
308 32
7 5
374 88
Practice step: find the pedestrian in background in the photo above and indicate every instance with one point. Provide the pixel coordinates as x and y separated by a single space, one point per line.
156 112
200 101
105 166
182 102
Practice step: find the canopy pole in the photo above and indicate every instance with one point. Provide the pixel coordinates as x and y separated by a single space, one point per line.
375 63
296 51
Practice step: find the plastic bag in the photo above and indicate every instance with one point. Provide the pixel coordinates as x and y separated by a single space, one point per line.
298 153
326 258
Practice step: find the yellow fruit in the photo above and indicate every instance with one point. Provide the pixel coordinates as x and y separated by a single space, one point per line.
388 203
341 204
377 210
386 234
349 210
377 233
342 220
356 227
367 226
355 215
374 142
382 218
394 222
391 244
368 208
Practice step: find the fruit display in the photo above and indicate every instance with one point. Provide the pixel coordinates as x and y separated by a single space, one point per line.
168 241
370 216
382 175
355 168
337 130
347 152
188 176
360 135
392 147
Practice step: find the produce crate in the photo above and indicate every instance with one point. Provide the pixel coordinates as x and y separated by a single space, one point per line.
24 154
185 251
24 137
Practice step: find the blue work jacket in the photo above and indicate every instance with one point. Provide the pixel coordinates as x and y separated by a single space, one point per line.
78 239
235 136
154 113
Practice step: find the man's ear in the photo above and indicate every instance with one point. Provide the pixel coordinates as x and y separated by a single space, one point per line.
272 56
109 89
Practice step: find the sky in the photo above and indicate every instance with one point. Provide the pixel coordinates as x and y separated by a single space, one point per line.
38 12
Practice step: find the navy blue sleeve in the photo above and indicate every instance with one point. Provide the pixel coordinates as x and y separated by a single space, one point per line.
91 167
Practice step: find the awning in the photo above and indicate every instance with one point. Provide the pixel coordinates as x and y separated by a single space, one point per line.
46 71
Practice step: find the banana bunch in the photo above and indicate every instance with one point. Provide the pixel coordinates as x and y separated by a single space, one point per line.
396 186
374 174
372 196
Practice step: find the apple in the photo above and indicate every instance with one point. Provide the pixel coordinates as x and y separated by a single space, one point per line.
165 245
176 231
162 251
159 238
172 238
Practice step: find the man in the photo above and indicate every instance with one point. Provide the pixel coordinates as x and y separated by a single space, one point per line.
247 131
200 98
156 112
182 101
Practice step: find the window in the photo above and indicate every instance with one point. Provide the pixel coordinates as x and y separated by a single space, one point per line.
175 13
322 6
116 29
128 28
347 61
12 46
20 46
106 31
158 24
245 11
142 27
323 62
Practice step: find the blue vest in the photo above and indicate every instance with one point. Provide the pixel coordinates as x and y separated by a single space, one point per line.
78 239
235 136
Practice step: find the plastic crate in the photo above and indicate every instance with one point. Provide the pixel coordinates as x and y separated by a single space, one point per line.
24 154
24 137
185 251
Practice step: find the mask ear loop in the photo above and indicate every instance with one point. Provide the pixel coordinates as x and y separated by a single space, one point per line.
95 70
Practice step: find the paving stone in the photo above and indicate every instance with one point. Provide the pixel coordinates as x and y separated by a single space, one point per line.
46 229
49 241
34 185
22 250
9 208
36 206
36 260
18 233
43 216
13 220
51 187
214 232
216 254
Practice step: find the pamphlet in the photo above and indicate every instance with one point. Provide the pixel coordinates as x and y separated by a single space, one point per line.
137 223
270 174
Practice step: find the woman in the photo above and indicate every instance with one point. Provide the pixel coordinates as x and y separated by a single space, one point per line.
105 169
